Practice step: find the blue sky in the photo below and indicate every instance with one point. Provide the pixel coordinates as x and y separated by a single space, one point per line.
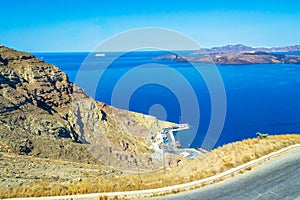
70 25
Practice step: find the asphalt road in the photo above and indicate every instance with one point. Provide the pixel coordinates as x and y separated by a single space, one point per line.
276 179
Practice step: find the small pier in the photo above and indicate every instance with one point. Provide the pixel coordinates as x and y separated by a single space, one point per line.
169 142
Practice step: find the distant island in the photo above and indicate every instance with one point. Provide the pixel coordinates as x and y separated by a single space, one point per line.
240 54
242 48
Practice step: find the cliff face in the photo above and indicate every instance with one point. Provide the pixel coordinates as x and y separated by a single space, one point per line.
43 114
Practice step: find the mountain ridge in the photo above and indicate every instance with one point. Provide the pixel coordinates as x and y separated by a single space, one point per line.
243 48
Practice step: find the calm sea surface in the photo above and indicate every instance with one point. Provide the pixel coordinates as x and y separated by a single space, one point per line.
259 98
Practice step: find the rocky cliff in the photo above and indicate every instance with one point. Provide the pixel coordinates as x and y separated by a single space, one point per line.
44 115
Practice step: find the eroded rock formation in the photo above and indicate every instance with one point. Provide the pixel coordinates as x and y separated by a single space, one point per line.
43 114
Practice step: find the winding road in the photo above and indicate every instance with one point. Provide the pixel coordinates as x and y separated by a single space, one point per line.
276 179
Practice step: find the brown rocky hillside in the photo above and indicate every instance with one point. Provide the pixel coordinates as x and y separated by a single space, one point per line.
44 115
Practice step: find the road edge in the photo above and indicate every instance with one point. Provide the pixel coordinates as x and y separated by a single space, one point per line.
169 189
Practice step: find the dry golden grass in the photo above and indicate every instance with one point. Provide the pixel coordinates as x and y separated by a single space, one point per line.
214 162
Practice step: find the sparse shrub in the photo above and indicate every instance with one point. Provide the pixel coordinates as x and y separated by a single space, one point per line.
246 158
175 191
228 165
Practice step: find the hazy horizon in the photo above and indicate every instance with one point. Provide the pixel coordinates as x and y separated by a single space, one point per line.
154 49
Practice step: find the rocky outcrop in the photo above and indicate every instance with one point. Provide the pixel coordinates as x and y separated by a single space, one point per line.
43 114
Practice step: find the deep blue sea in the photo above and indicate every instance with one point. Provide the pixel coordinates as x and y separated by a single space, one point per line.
259 98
